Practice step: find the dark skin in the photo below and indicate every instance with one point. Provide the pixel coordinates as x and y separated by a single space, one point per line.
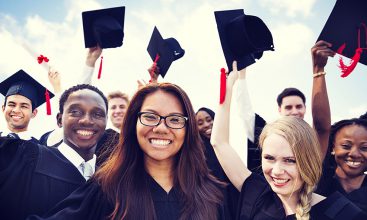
84 121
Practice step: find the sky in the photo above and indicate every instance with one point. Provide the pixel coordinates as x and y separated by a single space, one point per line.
54 29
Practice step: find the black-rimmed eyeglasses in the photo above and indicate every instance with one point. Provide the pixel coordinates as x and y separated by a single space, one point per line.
171 121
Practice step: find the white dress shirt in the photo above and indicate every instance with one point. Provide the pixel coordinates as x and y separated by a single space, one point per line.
86 168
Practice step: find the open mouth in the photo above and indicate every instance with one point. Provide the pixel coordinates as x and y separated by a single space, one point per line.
209 131
353 164
85 134
160 142
279 181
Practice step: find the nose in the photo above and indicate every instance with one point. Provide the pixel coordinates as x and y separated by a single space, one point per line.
277 169
16 109
86 120
354 152
161 127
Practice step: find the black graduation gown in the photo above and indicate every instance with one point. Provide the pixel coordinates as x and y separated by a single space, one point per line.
258 201
254 153
90 203
329 183
105 145
33 140
231 194
33 178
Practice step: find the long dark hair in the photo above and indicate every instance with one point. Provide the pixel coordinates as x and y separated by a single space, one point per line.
125 182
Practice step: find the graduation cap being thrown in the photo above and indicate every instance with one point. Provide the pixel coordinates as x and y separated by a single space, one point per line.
243 37
164 51
20 83
346 30
104 27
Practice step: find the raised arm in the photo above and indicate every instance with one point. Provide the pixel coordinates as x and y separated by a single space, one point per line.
320 101
231 163
92 56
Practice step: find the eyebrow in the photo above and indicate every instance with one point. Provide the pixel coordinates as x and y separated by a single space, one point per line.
155 112
22 103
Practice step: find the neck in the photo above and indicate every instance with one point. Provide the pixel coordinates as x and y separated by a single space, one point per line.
86 154
289 203
161 172
15 130
349 183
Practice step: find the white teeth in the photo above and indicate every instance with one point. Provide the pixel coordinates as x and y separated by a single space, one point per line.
84 132
17 117
160 142
209 131
280 181
353 163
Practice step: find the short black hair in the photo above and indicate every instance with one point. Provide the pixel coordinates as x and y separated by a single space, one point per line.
290 92
65 95
364 116
207 110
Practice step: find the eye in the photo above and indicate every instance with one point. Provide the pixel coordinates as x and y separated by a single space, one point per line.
25 106
99 115
149 117
346 146
290 160
75 112
363 148
268 157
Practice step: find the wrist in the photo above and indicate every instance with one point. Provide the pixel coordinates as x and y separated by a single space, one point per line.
319 74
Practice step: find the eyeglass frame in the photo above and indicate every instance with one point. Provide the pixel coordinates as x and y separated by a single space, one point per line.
164 119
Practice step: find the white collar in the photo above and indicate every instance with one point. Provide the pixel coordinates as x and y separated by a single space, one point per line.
74 157
24 135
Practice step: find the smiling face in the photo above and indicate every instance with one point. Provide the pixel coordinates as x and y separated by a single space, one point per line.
205 123
160 143
18 113
116 111
292 106
350 148
279 166
84 120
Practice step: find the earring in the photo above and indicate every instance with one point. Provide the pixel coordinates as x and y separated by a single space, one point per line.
332 152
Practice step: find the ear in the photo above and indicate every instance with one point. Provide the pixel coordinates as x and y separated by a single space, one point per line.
279 109
34 113
59 119
3 107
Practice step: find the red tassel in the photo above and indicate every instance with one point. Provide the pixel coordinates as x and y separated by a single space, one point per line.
41 58
346 70
100 68
154 67
48 103
223 84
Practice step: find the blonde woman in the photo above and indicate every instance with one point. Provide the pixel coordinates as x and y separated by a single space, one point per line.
291 165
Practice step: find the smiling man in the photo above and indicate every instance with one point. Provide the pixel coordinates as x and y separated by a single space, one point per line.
34 177
23 95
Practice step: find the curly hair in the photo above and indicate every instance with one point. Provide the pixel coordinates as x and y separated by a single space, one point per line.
65 95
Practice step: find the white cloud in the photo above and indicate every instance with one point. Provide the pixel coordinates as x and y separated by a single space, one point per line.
291 8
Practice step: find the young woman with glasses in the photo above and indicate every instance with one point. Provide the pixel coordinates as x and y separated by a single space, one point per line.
158 169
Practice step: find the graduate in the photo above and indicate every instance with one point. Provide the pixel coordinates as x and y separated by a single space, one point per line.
157 171
292 167
23 95
34 178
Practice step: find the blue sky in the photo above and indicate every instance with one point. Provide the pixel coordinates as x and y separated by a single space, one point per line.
54 28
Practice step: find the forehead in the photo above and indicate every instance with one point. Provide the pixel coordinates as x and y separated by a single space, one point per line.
352 131
85 97
202 114
292 100
162 102
117 101
276 145
18 99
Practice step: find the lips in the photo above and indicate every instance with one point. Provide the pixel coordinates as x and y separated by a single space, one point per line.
209 131
353 163
160 142
85 134
279 181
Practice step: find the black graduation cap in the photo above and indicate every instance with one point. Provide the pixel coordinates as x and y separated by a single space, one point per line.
168 50
243 37
347 20
104 27
20 83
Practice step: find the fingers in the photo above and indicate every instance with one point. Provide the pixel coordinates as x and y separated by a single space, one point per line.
234 66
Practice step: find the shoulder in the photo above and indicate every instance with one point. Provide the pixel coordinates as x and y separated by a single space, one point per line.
336 206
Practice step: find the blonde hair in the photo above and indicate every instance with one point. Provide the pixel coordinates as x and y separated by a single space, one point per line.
118 94
306 149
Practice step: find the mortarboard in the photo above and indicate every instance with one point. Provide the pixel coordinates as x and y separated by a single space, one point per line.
243 37
164 51
346 30
20 83
104 27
